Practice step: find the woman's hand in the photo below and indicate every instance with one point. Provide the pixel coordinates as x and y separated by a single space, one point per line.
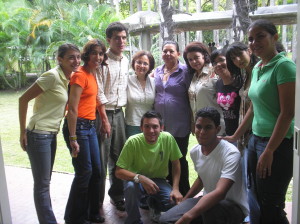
228 138
23 140
75 148
264 164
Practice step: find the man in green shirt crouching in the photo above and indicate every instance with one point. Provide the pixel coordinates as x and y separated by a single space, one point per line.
143 165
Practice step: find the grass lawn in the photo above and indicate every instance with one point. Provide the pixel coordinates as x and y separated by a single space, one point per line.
13 154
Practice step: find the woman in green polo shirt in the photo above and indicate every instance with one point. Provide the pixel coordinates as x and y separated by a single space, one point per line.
50 92
270 149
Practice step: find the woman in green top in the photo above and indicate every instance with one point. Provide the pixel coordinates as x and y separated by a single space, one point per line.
50 92
270 149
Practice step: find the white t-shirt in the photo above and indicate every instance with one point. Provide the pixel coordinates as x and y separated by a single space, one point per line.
139 100
223 162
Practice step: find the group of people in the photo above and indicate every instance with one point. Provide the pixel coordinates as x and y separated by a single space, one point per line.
238 102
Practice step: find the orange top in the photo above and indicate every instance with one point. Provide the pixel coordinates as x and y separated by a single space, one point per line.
87 102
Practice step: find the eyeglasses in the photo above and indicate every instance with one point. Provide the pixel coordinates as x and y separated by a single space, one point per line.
221 60
142 63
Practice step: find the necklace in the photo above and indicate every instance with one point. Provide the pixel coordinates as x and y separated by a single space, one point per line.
169 71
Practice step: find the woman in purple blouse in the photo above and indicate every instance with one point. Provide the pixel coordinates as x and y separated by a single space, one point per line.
172 81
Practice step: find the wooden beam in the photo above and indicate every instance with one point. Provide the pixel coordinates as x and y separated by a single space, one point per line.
279 15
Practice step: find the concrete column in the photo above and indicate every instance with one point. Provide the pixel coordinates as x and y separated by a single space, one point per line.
145 41
5 215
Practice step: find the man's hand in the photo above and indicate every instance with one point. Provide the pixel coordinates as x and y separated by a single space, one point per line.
176 196
149 185
185 219
105 129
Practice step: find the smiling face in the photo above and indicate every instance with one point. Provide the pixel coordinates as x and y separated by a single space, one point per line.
141 66
117 42
151 129
96 57
220 66
241 59
206 132
70 61
170 54
196 60
261 42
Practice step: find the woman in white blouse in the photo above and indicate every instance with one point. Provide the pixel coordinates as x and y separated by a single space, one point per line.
202 91
140 91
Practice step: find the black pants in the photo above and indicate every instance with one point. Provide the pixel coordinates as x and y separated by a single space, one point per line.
184 184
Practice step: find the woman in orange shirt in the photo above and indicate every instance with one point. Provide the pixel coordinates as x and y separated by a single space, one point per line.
83 202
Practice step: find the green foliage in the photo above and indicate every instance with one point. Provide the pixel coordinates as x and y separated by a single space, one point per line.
31 33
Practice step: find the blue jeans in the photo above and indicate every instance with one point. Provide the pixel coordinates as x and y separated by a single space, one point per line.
269 192
83 201
41 150
133 192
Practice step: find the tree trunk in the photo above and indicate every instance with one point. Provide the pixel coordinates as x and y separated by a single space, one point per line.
241 19
167 24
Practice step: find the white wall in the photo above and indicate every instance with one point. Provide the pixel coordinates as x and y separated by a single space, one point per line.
296 179
5 216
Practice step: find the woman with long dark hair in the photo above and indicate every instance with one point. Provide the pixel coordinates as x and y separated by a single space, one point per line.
271 116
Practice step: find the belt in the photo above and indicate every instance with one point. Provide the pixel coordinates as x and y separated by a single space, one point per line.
262 138
113 111
44 132
87 121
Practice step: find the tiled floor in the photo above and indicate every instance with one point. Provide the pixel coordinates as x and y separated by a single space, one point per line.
20 184
19 181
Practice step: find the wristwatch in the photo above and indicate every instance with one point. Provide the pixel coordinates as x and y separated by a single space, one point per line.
136 179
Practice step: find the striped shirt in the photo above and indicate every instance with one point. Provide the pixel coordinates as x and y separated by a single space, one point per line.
112 81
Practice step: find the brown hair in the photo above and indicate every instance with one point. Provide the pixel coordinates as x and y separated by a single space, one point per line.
149 56
196 47
88 48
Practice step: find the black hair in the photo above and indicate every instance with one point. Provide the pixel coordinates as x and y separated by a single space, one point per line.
115 26
196 47
152 114
62 49
216 53
235 49
267 25
170 42
210 113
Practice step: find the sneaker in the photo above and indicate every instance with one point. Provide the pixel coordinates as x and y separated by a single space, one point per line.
120 205
154 214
